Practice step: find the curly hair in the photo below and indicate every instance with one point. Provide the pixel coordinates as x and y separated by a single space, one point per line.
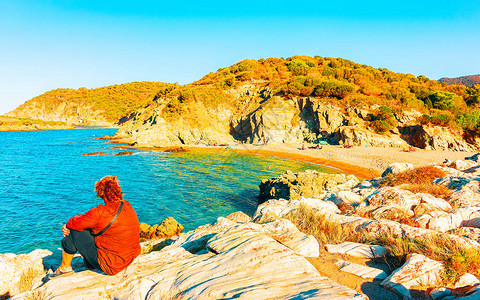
108 188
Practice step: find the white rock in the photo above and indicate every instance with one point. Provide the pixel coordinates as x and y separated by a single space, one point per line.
319 205
434 202
462 165
361 270
397 168
440 293
240 261
395 197
14 267
348 197
418 270
358 250
467 279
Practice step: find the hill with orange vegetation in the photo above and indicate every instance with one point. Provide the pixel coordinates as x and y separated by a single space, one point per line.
310 99
293 100
469 81
16 124
103 106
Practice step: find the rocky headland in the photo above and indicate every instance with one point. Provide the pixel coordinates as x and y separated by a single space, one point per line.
412 233
19 124
280 101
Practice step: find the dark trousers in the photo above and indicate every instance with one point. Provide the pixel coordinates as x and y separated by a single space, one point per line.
84 243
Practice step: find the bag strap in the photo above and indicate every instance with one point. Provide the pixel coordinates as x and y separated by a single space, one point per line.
111 222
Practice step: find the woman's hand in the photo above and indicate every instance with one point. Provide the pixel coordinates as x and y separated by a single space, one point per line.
65 230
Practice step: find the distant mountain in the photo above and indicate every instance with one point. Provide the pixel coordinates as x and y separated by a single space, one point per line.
469 81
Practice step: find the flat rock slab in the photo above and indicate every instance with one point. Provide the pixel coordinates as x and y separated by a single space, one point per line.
418 270
360 270
358 250
226 260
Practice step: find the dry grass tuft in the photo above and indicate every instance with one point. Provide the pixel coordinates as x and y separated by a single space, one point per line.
27 279
324 229
420 175
37 295
436 190
457 259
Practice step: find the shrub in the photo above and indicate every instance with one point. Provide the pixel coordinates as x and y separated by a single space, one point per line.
469 120
436 190
298 67
420 175
333 88
380 126
441 119
442 100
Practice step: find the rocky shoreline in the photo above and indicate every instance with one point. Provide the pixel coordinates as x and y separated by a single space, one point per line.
313 236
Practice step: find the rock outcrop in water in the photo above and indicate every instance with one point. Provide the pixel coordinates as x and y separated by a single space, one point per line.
307 184
167 228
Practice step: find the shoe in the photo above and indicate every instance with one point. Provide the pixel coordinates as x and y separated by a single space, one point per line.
61 273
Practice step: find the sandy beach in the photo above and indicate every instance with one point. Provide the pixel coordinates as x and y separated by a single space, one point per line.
364 162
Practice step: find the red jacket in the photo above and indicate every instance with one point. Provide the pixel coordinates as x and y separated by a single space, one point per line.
120 244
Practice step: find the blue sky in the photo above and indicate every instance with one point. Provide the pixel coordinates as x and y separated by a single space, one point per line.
70 44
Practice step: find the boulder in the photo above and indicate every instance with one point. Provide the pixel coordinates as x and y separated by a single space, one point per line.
123 153
360 270
397 168
466 279
468 232
443 221
418 270
274 209
239 217
395 197
167 228
358 250
21 272
292 186
462 165
347 197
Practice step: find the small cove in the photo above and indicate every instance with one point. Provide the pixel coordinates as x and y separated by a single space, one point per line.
45 180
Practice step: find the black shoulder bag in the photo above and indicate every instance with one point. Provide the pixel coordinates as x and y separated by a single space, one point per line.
111 222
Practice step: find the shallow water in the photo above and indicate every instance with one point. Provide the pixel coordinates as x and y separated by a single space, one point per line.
45 180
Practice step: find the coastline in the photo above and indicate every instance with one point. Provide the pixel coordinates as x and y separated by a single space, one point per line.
363 162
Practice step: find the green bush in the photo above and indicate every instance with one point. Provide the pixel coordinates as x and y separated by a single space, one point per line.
298 67
333 88
439 120
442 100
380 126
469 120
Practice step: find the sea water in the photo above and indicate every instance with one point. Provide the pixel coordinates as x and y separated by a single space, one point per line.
45 180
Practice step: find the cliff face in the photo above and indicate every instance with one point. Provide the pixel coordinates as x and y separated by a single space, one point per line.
71 113
254 114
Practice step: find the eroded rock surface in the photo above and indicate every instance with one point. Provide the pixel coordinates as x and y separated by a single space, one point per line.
223 260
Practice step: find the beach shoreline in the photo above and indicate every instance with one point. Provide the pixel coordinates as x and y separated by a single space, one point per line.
363 162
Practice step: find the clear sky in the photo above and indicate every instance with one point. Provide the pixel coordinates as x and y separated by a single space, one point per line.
47 44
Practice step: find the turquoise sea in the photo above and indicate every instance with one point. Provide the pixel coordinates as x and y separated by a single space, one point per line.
44 180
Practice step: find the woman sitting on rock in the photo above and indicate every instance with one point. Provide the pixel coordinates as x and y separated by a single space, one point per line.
107 236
